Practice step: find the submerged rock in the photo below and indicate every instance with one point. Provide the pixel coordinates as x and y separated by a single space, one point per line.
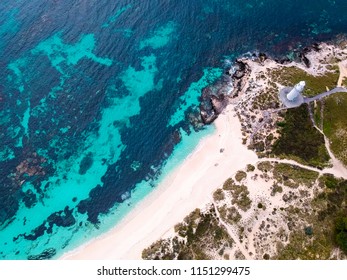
62 218
45 255
86 164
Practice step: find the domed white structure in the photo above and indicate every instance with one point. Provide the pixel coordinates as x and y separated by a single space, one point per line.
296 91
292 96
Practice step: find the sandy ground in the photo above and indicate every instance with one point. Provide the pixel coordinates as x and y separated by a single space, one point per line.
187 188
343 72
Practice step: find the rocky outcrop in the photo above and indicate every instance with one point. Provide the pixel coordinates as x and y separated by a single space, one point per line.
219 103
240 77
305 60
207 113
262 57
215 98
283 60
240 69
299 55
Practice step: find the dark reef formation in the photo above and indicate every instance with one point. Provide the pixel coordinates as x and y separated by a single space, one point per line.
45 255
27 167
216 97
63 218
31 166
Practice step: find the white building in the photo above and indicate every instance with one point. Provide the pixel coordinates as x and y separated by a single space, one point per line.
296 91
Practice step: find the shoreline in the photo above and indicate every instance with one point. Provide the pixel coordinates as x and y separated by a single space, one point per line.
186 188
217 157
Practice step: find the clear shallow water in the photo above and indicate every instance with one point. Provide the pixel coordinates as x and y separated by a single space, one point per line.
96 95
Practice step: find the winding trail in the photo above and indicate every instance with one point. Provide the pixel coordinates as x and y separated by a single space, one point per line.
337 170
233 235
292 162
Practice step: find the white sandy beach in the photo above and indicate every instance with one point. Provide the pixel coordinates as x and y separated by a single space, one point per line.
189 186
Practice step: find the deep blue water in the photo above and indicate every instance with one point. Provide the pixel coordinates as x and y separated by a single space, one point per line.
96 100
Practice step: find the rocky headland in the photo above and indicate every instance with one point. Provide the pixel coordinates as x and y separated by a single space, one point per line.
291 202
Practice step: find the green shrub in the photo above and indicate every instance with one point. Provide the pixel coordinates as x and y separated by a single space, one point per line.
218 195
341 233
228 184
240 175
250 168
299 138
335 124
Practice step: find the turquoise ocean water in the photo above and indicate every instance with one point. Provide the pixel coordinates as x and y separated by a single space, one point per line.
100 99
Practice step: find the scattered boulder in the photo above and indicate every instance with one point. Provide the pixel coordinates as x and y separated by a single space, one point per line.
240 69
283 60
262 57
316 47
305 60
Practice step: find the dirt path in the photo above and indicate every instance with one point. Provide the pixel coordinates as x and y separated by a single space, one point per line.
234 236
337 170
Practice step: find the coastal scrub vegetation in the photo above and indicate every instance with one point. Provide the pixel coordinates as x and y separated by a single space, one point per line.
229 215
239 193
293 176
265 166
240 197
316 226
228 184
267 99
341 233
299 139
344 82
276 189
336 195
240 175
200 237
250 168
318 231
317 113
218 195
335 124
288 175
289 76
